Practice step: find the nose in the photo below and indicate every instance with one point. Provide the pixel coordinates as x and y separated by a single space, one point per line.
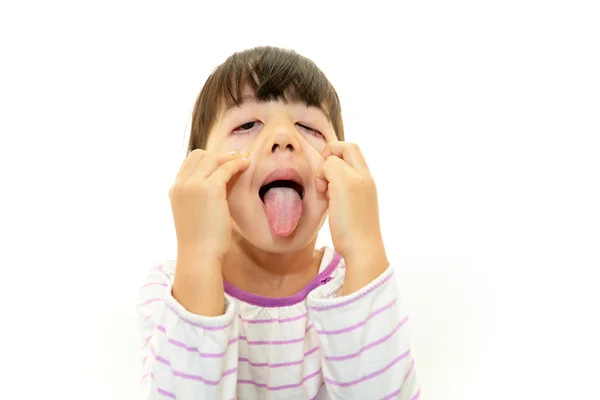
283 140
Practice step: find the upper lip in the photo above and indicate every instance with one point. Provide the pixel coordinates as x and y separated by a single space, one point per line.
284 174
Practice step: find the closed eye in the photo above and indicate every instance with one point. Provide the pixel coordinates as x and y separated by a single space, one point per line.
245 128
310 130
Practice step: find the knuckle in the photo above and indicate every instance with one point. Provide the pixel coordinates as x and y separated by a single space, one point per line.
212 190
197 154
175 190
202 187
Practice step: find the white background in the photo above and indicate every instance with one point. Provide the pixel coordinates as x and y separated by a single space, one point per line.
480 121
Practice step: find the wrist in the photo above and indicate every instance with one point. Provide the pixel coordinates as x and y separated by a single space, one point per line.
198 284
366 254
363 266
199 256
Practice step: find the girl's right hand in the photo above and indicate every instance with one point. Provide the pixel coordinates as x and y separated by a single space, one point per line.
199 202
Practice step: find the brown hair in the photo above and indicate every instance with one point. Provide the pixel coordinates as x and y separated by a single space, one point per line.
272 73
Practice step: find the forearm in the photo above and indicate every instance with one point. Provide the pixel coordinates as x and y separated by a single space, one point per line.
184 355
363 267
198 284
364 340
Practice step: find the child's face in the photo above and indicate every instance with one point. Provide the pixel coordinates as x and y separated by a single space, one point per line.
278 137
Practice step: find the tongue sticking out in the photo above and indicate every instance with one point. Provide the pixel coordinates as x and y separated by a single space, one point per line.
284 209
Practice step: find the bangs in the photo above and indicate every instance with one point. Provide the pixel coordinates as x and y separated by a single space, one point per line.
276 74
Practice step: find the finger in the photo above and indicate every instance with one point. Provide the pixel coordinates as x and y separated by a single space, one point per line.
211 161
195 157
321 184
334 168
348 152
225 172
190 162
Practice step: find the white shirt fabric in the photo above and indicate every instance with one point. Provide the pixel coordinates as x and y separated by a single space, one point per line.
316 344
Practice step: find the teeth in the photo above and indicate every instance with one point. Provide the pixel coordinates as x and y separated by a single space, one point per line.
291 184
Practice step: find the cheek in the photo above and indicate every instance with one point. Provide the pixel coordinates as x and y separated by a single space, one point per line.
236 143
313 154
316 142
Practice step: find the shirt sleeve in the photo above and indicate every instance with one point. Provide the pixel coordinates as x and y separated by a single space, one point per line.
364 340
184 355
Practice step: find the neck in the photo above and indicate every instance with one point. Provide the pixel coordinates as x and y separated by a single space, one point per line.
270 274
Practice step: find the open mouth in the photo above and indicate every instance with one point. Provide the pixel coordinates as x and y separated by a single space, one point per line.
281 184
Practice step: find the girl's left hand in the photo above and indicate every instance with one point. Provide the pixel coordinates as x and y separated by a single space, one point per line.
353 206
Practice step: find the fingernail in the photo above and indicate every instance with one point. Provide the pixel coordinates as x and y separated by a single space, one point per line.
243 154
232 152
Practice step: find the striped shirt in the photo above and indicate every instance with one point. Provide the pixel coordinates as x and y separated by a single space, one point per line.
316 344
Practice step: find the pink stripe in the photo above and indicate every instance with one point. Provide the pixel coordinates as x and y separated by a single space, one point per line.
266 321
416 396
202 354
412 363
145 375
165 393
204 380
367 377
291 341
205 327
392 395
154 283
148 302
146 341
183 375
234 340
275 388
361 323
263 342
318 390
161 359
285 364
195 348
147 318
370 345
397 392
352 300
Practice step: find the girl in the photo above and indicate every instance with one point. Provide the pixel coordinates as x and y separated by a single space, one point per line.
251 309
